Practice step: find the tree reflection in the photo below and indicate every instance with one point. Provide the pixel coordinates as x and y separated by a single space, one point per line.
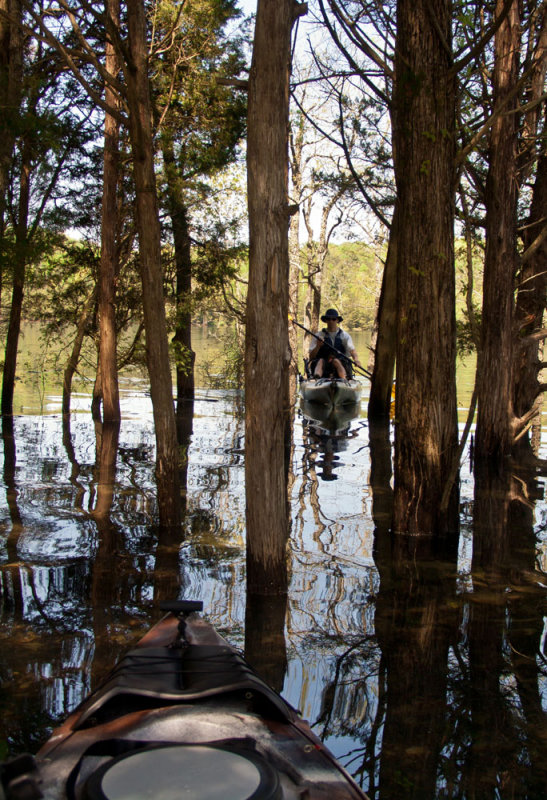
167 571
508 747
265 645
415 625
12 540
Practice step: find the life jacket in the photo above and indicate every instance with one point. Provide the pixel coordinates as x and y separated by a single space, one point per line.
326 351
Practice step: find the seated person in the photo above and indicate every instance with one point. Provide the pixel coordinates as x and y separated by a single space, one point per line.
329 360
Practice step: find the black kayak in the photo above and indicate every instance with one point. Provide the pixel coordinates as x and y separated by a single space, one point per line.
182 716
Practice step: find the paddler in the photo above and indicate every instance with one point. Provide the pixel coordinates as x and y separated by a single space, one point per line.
329 356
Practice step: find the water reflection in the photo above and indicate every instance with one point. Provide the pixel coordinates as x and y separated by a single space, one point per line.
425 674
327 431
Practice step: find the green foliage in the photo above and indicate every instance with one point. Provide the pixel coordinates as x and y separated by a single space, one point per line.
465 336
352 280
232 367
60 281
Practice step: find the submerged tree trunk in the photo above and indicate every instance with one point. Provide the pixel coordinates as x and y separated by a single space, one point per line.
108 370
379 403
266 342
148 224
426 433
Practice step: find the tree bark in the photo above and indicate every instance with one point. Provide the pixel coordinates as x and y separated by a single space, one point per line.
185 356
495 359
11 75
266 341
530 303
426 433
14 327
296 136
108 370
379 403
148 224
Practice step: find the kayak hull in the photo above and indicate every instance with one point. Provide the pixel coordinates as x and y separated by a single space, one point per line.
186 709
331 391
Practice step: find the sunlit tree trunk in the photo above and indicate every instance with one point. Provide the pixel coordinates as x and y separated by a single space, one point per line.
424 148
108 369
495 360
266 341
157 351
296 144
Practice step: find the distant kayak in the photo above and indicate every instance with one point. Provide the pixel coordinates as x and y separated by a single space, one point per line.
331 391
182 716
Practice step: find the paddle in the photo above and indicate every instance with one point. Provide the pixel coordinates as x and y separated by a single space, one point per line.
365 372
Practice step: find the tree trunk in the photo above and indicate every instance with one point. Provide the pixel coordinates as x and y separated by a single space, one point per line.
11 74
495 360
379 403
266 341
21 254
148 224
530 303
108 370
72 361
185 356
296 139
426 432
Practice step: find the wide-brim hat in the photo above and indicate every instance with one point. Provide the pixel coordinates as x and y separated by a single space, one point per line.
331 313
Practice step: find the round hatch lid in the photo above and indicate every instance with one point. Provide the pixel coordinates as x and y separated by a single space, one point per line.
185 772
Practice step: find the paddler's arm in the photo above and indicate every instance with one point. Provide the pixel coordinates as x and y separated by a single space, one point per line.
315 346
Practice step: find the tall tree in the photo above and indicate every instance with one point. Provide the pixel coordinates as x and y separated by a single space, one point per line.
494 390
107 372
148 223
137 114
201 121
11 77
531 278
426 433
266 342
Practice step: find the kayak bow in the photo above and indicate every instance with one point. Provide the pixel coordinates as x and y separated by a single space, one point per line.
182 715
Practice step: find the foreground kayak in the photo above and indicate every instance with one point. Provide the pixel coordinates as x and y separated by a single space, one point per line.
181 716
331 391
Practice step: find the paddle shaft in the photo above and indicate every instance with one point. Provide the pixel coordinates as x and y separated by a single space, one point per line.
319 339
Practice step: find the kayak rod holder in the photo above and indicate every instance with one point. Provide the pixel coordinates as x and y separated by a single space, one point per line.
182 609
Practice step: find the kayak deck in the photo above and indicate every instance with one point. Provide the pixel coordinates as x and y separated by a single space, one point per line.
171 710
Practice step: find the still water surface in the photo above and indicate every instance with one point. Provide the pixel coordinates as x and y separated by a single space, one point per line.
425 676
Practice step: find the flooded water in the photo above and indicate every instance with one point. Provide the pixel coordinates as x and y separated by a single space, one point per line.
424 671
